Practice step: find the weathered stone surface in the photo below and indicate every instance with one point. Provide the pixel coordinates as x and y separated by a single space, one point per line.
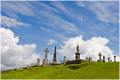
77 57
45 61
100 60
76 61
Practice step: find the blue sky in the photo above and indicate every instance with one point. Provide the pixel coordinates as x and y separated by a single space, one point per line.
52 23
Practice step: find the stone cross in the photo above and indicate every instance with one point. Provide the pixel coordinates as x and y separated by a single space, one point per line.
99 56
38 61
108 59
103 58
86 58
67 59
54 57
64 61
46 52
114 58
61 62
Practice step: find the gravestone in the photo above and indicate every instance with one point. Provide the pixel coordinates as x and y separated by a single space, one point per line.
54 58
108 59
77 57
103 58
114 58
90 59
61 62
45 61
86 58
38 61
67 59
100 60
64 61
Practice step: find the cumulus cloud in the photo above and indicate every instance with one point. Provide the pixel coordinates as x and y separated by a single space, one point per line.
9 22
14 55
51 41
89 48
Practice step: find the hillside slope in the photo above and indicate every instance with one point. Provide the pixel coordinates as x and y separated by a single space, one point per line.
86 70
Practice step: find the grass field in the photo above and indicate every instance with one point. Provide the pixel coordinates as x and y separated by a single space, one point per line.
86 70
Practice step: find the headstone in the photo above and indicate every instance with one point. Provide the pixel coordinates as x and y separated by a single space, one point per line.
45 61
114 58
67 59
100 60
108 59
38 61
64 61
61 62
50 63
103 58
86 58
90 59
77 57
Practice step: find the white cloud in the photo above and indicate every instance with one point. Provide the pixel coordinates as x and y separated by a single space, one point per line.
89 48
14 55
104 11
9 22
51 41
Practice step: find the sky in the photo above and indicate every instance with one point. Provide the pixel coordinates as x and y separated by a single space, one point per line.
28 27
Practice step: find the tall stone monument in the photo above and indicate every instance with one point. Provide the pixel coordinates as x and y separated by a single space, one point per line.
77 57
54 58
114 58
45 61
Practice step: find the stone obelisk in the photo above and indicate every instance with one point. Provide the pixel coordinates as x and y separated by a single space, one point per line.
45 61
54 58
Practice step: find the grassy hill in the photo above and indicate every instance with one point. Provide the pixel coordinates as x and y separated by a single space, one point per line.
86 70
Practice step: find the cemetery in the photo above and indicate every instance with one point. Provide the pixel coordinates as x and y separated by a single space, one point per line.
67 67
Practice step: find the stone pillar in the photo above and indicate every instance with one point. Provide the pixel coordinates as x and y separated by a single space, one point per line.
103 58
90 59
114 58
54 57
64 61
108 59
86 58
77 57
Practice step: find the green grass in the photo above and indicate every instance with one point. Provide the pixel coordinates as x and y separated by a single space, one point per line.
86 70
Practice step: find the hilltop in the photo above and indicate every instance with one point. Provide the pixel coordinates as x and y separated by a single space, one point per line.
86 70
